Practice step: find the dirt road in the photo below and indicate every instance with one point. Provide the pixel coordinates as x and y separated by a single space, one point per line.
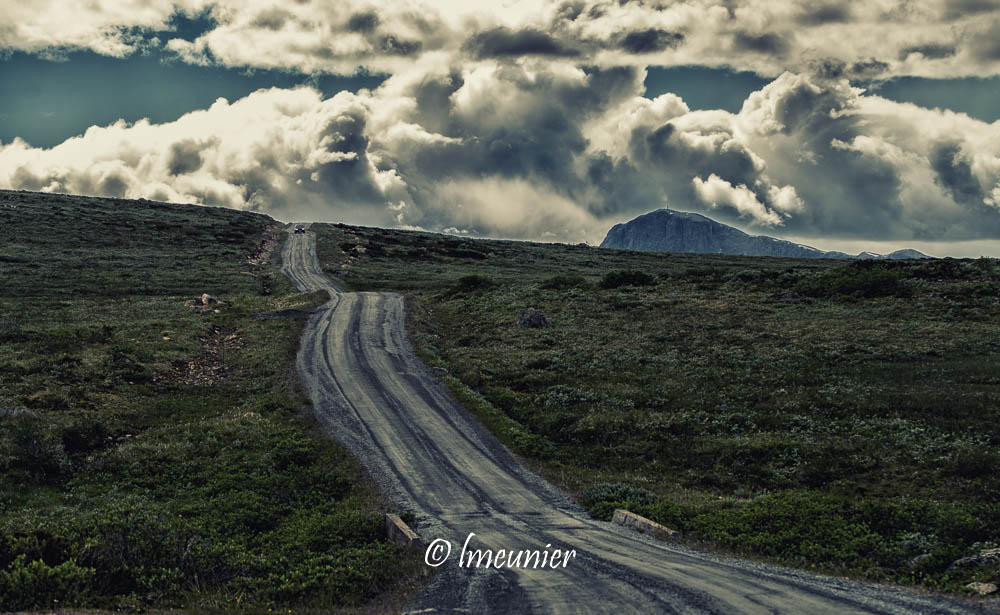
372 393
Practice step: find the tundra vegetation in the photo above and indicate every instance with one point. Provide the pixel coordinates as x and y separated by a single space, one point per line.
842 416
154 456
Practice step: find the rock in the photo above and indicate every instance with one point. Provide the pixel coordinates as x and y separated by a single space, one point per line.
641 524
982 589
533 318
988 556
916 561
399 533
11 412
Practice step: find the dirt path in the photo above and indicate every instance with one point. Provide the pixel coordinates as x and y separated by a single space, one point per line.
372 393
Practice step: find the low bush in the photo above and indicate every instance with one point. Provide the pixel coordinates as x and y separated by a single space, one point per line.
859 279
616 279
562 282
35 584
471 283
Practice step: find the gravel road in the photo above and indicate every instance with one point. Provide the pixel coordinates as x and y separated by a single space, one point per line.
371 392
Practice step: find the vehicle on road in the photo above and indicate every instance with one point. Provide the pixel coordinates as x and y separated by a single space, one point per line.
300 228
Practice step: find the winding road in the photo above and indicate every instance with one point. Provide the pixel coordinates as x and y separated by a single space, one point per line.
371 393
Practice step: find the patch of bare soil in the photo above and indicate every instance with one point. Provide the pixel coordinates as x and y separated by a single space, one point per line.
207 368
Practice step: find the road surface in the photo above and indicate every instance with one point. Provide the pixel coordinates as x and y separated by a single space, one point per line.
371 392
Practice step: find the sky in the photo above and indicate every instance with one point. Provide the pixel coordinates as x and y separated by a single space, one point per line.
845 125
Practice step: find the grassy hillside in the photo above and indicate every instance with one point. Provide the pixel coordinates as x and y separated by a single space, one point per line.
151 455
842 416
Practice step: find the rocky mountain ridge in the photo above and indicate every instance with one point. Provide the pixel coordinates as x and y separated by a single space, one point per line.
668 230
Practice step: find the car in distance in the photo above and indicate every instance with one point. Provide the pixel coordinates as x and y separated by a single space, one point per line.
300 228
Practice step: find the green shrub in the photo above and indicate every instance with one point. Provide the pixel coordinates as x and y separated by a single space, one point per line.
10 329
616 279
32 449
125 363
470 283
704 274
861 279
745 275
603 498
84 435
562 282
805 527
34 584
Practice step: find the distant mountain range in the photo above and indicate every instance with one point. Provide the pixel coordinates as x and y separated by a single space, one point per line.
666 230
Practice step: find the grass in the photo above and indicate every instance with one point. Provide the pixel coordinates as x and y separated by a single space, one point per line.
156 457
835 415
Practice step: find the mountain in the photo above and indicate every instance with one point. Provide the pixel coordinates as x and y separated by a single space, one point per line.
666 230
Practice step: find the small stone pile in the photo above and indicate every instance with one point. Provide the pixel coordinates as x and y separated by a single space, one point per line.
206 304
532 318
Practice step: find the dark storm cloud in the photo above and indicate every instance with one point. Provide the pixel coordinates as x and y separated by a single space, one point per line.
348 174
932 51
957 9
829 68
651 40
954 172
768 42
398 47
504 42
986 44
569 11
544 140
271 19
727 159
804 107
867 69
827 13
623 186
363 22
114 184
184 157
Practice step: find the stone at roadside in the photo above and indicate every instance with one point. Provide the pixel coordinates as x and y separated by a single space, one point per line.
983 589
988 556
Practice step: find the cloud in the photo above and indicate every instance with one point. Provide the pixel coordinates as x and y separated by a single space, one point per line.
768 42
542 147
650 40
303 149
825 14
716 191
876 39
503 42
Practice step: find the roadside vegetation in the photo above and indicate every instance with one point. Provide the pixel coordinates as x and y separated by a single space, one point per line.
842 416
155 457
